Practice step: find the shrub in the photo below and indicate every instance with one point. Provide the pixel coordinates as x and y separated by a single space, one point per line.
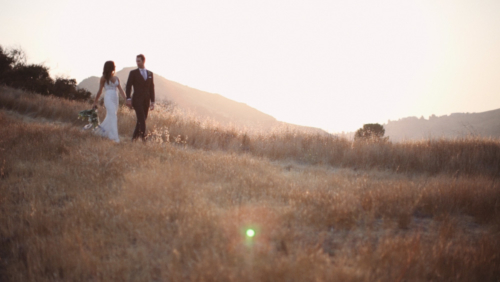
66 88
16 73
371 131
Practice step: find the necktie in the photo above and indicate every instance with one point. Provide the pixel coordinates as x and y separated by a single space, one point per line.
143 72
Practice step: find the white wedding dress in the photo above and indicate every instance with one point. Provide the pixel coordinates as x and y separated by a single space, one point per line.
109 127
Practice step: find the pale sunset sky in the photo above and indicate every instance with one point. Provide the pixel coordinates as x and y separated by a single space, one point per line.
329 64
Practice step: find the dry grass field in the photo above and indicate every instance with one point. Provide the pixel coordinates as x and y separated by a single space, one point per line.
77 207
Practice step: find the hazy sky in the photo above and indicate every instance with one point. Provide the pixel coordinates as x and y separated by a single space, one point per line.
329 64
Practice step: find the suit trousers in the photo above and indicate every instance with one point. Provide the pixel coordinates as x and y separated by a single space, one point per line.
141 107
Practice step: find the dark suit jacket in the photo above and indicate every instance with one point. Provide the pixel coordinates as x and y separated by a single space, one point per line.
142 88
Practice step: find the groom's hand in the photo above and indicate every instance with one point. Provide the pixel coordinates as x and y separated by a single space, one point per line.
152 106
128 102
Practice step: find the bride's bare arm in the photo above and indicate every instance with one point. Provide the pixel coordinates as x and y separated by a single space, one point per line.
120 89
98 95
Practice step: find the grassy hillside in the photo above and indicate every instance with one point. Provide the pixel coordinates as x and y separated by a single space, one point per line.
77 207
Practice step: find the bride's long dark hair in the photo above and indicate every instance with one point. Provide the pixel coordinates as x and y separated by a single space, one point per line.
109 69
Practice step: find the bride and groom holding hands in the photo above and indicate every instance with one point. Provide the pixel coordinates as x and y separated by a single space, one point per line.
142 100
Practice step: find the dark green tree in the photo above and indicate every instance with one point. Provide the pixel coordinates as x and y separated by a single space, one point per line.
371 131
34 78
66 88
6 64
14 72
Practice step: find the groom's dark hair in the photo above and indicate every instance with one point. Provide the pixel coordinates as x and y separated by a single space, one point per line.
142 57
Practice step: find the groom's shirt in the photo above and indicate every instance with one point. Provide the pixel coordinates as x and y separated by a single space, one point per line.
144 73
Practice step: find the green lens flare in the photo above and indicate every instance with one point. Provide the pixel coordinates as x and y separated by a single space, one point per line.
250 233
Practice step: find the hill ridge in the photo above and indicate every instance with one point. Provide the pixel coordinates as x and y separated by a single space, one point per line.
205 104
455 125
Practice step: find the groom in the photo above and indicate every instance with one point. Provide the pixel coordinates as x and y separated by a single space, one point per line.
144 92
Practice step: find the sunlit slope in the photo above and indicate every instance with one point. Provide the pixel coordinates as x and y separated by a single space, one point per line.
468 156
204 104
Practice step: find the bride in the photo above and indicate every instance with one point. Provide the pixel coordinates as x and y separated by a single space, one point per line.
110 82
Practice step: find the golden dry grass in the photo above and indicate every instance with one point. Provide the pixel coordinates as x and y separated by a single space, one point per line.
466 156
77 207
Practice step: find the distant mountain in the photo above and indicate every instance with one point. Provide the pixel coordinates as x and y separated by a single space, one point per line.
204 104
485 124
